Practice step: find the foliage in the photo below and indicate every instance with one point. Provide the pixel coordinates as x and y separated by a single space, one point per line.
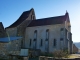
57 54
60 54
46 54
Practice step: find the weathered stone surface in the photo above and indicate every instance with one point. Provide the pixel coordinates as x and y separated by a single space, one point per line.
3 46
20 29
54 33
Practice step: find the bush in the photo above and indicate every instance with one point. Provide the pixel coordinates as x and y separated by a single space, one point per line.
46 54
60 54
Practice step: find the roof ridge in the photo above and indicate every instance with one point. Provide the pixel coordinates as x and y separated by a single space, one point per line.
51 17
48 21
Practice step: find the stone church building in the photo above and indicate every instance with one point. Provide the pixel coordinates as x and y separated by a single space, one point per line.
47 34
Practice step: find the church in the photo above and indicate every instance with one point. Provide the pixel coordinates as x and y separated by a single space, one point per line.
47 34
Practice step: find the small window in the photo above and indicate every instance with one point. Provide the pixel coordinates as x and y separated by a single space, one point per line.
69 26
54 42
61 32
61 39
47 34
16 44
32 17
47 30
35 34
67 35
62 29
34 40
41 43
30 42
46 40
35 31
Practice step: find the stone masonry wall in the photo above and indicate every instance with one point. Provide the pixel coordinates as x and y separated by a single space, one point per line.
54 33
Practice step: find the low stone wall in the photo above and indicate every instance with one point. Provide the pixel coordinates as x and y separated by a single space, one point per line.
42 58
50 58
46 58
25 58
3 50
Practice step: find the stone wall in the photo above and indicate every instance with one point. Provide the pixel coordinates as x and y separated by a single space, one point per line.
11 31
54 33
3 49
3 46
75 49
19 30
69 35
22 27
10 47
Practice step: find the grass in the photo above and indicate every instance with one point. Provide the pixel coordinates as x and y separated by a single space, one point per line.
72 56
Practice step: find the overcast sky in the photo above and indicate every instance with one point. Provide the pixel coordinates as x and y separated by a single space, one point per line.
10 10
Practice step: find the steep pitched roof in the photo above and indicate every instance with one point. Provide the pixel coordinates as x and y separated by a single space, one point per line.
1 26
23 16
2 30
48 21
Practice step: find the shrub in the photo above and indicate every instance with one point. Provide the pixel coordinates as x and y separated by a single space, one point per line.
60 54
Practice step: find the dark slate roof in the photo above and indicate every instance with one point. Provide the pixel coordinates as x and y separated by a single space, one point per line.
2 30
1 26
48 21
23 16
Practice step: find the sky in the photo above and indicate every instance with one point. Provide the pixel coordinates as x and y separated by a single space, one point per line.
10 10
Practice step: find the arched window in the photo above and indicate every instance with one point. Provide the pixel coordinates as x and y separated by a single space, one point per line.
47 34
54 42
35 34
61 39
62 32
30 42
35 38
61 43
62 29
41 43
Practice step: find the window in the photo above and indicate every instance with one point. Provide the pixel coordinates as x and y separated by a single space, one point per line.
41 43
35 38
22 43
47 34
46 46
61 39
54 42
32 17
69 26
35 34
61 32
34 44
62 29
68 34
35 31
61 43
30 43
